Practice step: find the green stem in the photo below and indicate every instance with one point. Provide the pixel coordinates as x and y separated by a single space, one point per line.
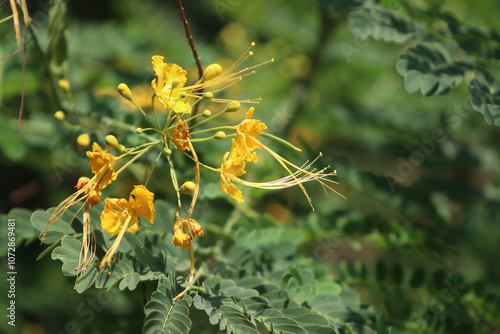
152 169
174 181
6 18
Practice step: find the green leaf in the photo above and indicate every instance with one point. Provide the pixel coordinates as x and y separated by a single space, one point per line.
58 228
162 315
486 97
431 69
11 141
381 23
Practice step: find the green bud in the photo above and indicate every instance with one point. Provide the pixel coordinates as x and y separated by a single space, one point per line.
121 149
187 188
220 135
60 115
167 151
111 141
139 131
233 106
125 91
183 95
212 71
206 113
208 95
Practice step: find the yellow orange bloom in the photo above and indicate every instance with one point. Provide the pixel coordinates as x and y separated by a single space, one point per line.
168 84
102 165
120 215
233 165
117 210
246 132
181 236
242 150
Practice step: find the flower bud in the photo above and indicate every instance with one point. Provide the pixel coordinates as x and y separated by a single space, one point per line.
187 188
139 131
167 151
83 141
233 106
183 95
206 113
220 135
125 91
64 85
208 95
111 141
59 115
212 71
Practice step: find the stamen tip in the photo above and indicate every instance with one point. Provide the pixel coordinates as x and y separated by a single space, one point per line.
252 44
272 60
250 53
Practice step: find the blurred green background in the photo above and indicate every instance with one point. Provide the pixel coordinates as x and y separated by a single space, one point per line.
420 174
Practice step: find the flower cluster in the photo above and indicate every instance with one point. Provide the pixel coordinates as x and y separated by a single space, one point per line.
183 129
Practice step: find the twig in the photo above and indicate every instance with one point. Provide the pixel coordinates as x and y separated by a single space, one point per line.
195 53
190 38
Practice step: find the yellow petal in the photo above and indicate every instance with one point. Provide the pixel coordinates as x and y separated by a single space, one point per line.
230 188
174 71
235 193
158 65
114 214
181 107
141 200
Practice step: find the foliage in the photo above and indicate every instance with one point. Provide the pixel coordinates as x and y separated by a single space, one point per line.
412 249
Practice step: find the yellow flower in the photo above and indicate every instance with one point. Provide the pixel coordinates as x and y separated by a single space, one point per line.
120 215
168 85
246 132
233 165
181 237
242 149
118 210
171 80
102 165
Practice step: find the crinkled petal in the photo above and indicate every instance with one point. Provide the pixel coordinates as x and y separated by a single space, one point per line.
235 193
181 238
102 164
